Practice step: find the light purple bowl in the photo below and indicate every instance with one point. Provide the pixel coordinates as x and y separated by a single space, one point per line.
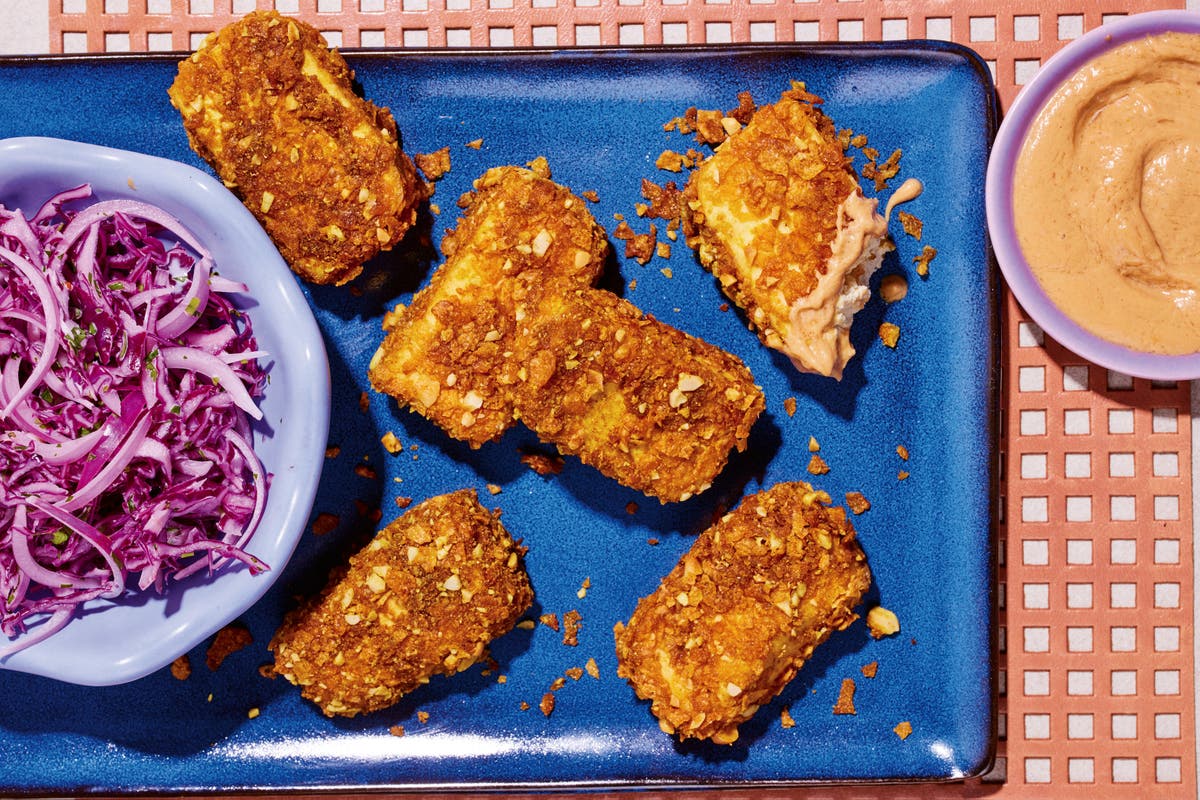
999 197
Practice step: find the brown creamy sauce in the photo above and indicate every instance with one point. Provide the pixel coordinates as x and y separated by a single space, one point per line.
1107 192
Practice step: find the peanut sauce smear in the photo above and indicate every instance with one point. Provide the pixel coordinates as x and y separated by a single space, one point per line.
1105 195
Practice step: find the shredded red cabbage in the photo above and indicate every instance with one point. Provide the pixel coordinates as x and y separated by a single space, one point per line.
127 384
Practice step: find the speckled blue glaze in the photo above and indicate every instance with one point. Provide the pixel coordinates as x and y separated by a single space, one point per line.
598 118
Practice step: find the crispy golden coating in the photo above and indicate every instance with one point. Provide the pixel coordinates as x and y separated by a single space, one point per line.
510 328
271 108
777 215
425 597
742 611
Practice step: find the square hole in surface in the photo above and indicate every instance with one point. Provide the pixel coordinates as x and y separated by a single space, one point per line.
1163 420
1166 595
116 6
544 4
1036 639
1166 639
1035 509
1070 26
74 42
983 29
1166 726
1037 682
1031 379
1080 726
1037 770
1168 769
1081 770
1119 381
1036 595
1166 681
1079 595
1033 466
1124 770
1037 726
545 35
1079 551
1035 552
1033 423
371 6
501 37
1079 639
458 37
718 32
1024 69
1166 551
1122 551
1124 682
1079 682
587 35
1077 422
1107 18
159 41
631 34
196 39
116 42
674 33
332 38
287 6
1120 465
1026 28
423 5
1075 378
419 37
892 30
938 28
372 38
1079 508
244 6
1166 507
806 31
1124 726
80 7
1165 465
850 30
1122 639
762 31
1122 595
1030 334
1077 465
330 6
200 8
1120 420
1123 508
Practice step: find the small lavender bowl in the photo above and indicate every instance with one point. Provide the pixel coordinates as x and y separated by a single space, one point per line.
112 642
999 198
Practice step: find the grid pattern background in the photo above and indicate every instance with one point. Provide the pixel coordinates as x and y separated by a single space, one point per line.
1095 562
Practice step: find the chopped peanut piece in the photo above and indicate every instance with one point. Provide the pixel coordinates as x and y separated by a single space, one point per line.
882 622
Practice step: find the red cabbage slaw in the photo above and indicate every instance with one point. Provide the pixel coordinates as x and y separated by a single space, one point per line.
127 384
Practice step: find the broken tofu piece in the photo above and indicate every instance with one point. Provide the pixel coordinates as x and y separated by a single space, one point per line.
742 611
425 597
777 215
272 109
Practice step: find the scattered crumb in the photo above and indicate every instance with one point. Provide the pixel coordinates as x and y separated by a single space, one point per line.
813 444
365 471
181 668
922 261
858 502
547 704
364 401
523 706
252 713
889 334
526 624
671 161
543 464
882 622
785 719
903 730
574 673
881 173
817 465
572 622
333 451
422 717
229 640
403 502
435 209
550 621
652 541
582 593
723 307
493 489
396 730
902 451
664 202
859 141
325 523
902 475
501 679
591 195
666 271
912 224
845 701
392 444
558 683
475 144
893 288
633 284
267 670
631 507
433 165
789 406
592 668
638 246
843 137
870 670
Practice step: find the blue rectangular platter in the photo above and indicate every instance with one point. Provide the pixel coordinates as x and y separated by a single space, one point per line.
598 118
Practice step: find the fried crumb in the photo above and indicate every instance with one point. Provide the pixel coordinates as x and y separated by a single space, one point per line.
633 284
398 730
365 471
547 704
435 209
252 713
813 444
893 288
543 464
670 161
267 670
723 307
572 622
433 165
550 621
592 669
475 144
181 668
870 670
591 195
652 541
422 717
493 489
501 679
333 451
817 465
870 152
903 730
325 523
364 401
390 443
843 137
859 141
523 706
857 502
902 451
557 683
631 507
664 201
582 593
574 673
902 475
403 502
912 224
526 624
889 334
882 622
922 261
229 640
638 246
663 250
789 405
666 271
845 700
785 719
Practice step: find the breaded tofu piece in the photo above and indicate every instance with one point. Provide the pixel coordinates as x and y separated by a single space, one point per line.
778 217
425 597
641 401
271 108
510 327
742 611
450 354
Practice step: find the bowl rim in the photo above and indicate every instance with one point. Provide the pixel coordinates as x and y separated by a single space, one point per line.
998 198
167 183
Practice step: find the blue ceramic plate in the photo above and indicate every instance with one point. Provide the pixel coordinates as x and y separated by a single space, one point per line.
598 117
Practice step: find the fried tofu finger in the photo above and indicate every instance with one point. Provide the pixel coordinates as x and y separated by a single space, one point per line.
271 108
743 610
425 597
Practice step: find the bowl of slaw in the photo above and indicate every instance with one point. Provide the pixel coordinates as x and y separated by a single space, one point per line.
136 623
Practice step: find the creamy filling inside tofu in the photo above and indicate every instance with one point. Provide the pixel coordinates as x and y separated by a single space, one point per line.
818 338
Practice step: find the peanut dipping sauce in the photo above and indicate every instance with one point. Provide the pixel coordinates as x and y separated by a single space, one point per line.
1107 191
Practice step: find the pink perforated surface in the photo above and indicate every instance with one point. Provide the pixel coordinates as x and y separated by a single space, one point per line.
1095 559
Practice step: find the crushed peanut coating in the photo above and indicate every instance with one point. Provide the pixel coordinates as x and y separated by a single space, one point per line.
273 110
743 610
425 597
510 328
778 217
